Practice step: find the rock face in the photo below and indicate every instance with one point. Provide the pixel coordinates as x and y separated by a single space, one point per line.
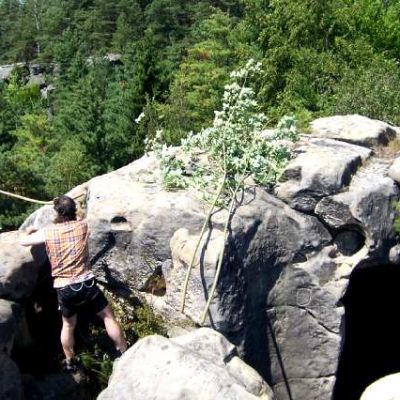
201 365
321 168
394 171
132 220
19 266
365 211
266 234
288 258
353 129
386 388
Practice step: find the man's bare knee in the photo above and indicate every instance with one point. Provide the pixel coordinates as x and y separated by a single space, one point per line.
106 312
69 322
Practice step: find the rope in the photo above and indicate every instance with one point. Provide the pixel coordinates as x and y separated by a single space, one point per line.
17 196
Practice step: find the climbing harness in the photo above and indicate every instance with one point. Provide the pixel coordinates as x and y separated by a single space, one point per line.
81 284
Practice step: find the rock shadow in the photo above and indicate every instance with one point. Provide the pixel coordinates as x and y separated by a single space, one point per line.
371 342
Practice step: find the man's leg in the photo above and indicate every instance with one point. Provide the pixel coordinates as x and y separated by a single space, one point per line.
67 336
113 328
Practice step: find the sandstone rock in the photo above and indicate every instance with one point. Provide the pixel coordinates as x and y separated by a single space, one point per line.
265 233
9 313
10 379
300 389
387 388
201 365
303 325
42 217
5 71
322 167
353 129
36 80
394 171
19 266
367 209
394 254
132 222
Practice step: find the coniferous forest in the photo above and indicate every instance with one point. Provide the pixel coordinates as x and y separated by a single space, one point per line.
120 70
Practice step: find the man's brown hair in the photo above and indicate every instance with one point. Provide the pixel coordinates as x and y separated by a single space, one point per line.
65 208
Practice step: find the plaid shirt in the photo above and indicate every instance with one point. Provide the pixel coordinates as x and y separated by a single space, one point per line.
67 248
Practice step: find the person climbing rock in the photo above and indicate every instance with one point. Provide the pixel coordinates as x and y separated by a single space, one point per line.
67 248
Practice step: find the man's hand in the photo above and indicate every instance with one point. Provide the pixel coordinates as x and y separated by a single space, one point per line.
34 237
30 229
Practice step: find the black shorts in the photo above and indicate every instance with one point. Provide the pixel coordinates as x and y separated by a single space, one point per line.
85 294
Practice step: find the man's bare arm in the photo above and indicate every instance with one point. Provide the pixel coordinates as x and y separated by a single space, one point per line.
33 238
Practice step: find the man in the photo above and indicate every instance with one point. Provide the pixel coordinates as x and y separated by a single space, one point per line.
67 248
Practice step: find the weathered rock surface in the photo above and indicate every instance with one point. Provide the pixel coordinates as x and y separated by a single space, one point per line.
387 388
10 379
202 365
132 220
266 234
394 254
9 314
5 71
19 266
366 211
353 129
322 167
394 170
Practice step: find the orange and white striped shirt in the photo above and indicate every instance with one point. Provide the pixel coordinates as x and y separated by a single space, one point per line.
67 249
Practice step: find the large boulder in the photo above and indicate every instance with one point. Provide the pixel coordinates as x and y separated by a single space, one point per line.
322 167
19 266
201 365
132 219
386 388
354 129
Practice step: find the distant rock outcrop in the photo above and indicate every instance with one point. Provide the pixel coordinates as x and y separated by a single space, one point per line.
290 253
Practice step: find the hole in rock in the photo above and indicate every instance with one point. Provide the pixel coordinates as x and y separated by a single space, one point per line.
119 223
118 220
349 241
156 284
371 341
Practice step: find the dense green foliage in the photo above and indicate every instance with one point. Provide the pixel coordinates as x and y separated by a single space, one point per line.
318 58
